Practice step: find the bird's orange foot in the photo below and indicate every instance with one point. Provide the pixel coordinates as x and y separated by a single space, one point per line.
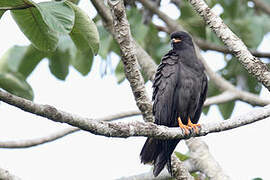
193 126
182 126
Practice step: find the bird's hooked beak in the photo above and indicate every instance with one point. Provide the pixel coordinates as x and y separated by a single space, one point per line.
174 40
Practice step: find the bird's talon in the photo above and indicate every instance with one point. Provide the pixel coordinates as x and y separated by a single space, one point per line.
183 127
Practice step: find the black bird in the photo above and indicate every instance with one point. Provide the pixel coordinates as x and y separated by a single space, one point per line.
179 91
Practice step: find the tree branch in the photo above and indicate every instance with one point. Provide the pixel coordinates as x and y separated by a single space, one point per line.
200 155
224 97
252 64
38 141
129 59
204 45
124 130
57 135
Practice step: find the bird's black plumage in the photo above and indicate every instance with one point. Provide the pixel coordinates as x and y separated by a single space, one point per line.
179 90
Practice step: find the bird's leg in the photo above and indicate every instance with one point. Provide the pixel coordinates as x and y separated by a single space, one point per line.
193 126
182 126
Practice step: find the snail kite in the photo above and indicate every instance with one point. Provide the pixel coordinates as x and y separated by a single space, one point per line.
179 91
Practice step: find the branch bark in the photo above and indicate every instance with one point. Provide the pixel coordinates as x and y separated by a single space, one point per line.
124 130
252 64
57 135
129 59
224 97
200 155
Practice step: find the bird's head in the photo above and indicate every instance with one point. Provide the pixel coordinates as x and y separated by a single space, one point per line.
181 39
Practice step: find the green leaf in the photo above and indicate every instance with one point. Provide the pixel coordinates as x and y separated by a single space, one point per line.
31 23
119 72
83 62
84 33
10 60
57 15
30 60
181 156
22 59
15 3
257 178
60 59
15 84
75 1
226 109
59 65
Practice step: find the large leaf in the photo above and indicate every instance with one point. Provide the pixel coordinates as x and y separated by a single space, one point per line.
84 33
15 84
22 59
83 61
15 3
35 29
30 60
11 59
57 15
59 64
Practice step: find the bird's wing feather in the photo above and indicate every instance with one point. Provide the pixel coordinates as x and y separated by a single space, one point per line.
202 99
164 90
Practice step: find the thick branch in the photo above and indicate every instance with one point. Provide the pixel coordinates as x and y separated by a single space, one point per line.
124 130
200 155
224 97
57 135
179 170
252 64
129 59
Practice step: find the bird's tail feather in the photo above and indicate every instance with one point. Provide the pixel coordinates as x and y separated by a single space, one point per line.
159 153
150 150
